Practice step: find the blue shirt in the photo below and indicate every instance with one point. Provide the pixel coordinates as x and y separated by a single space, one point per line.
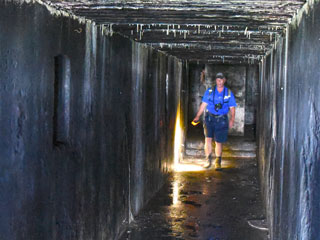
226 100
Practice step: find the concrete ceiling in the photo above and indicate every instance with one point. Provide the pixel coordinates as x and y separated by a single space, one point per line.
214 31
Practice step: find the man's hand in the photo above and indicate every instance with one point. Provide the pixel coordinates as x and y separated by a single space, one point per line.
196 119
201 110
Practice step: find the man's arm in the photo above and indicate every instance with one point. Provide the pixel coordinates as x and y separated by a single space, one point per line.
200 111
233 114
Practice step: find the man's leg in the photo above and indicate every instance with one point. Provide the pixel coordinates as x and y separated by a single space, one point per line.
221 136
208 146
218 151
208 151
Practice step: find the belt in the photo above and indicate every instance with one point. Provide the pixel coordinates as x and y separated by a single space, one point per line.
215 116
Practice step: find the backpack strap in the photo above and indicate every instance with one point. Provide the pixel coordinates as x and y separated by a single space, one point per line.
213 91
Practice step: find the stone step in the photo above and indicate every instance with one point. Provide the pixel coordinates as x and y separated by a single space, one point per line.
199 153
232 145
235 147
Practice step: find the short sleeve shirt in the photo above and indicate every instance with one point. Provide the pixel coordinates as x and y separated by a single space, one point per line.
213 97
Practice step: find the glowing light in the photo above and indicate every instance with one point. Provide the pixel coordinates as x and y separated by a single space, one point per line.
177 138
186 167
195 123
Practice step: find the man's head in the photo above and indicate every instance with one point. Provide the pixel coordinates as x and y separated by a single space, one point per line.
220 75
220 79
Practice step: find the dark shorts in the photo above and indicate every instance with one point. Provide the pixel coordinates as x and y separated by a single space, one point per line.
217 128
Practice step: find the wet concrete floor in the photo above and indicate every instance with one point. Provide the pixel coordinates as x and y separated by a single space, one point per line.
205 204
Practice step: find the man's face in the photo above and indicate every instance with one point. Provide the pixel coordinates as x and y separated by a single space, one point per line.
220 82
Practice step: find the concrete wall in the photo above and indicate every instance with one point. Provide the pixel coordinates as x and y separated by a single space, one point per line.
115 145
236 79
288 130
194 90
252 81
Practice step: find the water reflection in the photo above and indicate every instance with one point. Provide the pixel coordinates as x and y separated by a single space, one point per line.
177 213
203 204
182 214
175 193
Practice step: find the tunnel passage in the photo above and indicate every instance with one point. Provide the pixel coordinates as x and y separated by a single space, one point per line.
128 66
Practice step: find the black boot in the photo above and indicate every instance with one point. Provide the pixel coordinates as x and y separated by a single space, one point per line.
217 164
209 161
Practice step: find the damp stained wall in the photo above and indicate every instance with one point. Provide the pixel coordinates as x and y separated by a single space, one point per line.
289 130
252 81
195 92
115 144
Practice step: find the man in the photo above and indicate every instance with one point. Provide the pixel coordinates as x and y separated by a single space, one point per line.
217 102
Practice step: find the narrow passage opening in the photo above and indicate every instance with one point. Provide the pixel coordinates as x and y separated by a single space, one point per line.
198 203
